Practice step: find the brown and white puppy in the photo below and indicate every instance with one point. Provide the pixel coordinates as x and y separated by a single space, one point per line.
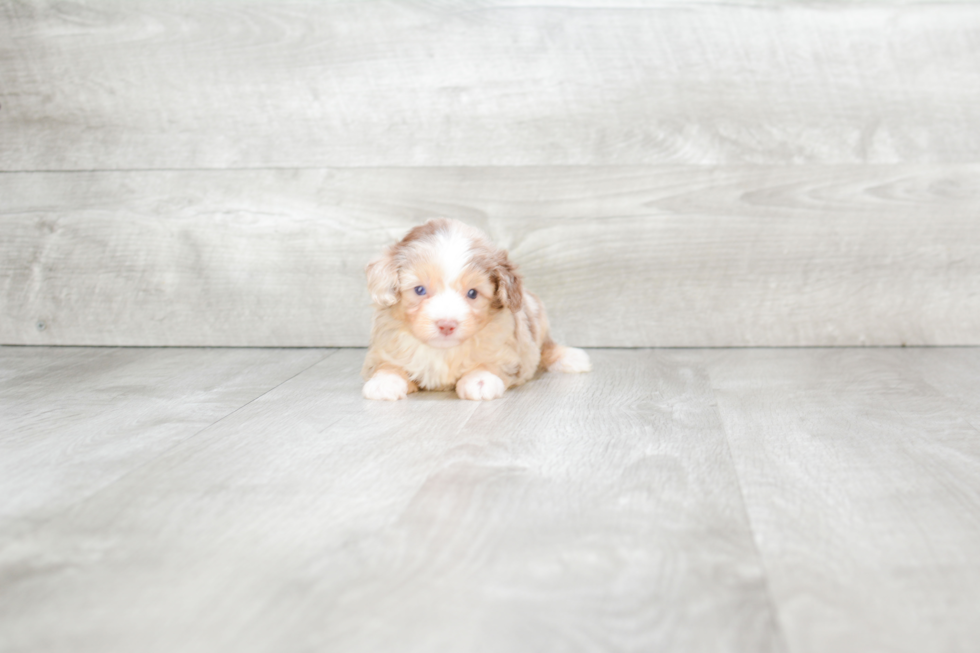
451 312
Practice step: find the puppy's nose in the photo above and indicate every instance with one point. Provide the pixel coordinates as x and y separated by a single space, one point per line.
446 327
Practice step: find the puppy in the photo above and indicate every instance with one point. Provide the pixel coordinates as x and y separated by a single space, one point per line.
451 312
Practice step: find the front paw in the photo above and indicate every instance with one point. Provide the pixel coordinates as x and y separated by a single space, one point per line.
386 386
480 385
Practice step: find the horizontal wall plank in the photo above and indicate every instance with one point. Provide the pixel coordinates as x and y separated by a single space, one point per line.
122 84
633 256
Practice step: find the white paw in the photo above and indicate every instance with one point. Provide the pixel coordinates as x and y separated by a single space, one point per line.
572 360
480 385
386 386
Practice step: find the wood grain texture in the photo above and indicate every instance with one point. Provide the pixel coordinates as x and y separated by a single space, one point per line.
591 512
862 484
953 372
122 84
74 421
633 256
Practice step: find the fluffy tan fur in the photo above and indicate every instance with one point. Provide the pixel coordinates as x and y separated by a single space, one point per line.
501 331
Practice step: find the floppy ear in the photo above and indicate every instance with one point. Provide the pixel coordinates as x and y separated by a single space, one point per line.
510 291
382 278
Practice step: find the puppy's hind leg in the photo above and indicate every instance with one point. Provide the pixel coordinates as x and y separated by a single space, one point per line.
558 358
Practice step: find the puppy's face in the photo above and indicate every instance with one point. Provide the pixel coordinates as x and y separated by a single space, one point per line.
444 306
445 281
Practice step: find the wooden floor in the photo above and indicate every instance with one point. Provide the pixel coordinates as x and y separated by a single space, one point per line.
672 500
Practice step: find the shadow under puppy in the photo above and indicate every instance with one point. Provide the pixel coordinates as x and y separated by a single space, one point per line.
451 311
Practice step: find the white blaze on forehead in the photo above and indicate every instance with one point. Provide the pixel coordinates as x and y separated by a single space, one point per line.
453 252
447 305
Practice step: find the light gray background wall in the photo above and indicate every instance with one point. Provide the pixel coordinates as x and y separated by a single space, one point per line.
666 173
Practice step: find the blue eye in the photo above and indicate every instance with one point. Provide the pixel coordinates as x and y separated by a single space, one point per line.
419 290
472 293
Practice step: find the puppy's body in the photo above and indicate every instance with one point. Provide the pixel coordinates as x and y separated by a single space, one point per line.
451 312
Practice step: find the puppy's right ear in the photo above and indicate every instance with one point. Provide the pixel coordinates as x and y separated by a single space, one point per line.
382 278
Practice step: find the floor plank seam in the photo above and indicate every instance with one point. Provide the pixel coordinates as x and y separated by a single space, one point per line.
779 630
58 514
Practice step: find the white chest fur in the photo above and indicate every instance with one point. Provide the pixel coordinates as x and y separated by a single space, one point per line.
433 368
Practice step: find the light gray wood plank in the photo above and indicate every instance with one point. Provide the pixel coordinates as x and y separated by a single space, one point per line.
955 372
74 421
121 84
862 484
634 256
591 512
16 361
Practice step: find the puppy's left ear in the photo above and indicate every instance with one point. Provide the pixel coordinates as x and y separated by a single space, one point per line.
510 290
382 278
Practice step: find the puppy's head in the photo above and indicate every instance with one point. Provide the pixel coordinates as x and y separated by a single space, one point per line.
445 280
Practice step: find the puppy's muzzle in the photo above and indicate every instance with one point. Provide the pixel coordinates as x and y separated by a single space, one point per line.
447 327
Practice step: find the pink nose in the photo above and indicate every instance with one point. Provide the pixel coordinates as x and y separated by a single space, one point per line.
446 327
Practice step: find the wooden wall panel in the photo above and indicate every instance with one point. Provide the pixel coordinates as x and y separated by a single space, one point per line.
629 256
140 84
668 173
